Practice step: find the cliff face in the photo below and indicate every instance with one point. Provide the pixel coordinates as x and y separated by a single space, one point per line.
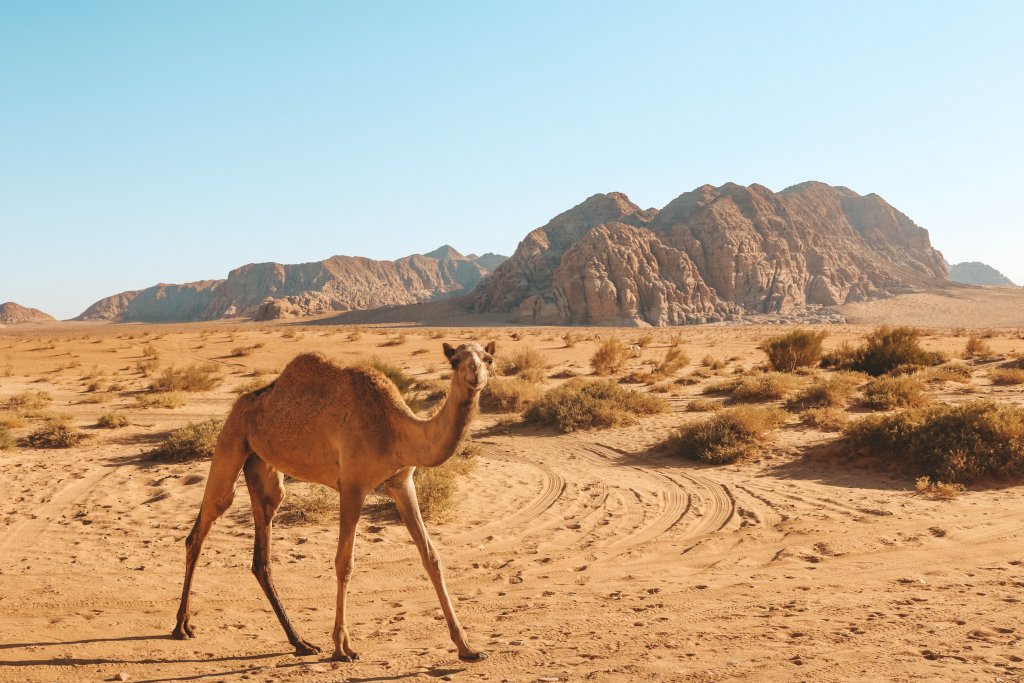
977 273
13 314
271 290
712 254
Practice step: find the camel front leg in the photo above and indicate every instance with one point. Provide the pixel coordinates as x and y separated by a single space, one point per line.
351 504
404 495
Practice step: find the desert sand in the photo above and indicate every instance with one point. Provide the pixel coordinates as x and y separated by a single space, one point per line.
588 556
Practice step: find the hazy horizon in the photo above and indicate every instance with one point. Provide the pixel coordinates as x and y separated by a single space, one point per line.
171 143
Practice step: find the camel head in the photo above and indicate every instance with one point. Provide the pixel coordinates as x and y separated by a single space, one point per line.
471 364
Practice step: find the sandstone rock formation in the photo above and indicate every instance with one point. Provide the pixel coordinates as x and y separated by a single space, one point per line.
12 314
711 254
271 290
976 273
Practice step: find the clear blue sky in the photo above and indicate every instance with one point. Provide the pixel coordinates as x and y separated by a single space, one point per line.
146 142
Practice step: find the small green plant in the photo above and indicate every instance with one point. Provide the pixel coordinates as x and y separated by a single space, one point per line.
194 441
886 393
583 404
796 349
726 436
610 357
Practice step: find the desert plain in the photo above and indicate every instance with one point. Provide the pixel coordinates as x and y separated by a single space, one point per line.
593 555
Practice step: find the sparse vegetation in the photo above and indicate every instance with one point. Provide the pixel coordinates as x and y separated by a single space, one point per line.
1006 376
671 363
827 392
767 386
239 351
29 400
317 505
252 384
56 434
394 341
950 372
610 356
112 420
508 395
436 487
884 350
402 380
191 378
726 436
170 399
194 441
937 490
704 405
6 439
796 349
976 346
886 393
827 418
956 443
526 362
590 404
570 339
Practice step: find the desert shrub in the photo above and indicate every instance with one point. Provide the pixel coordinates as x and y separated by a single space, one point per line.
437 487
885 393
725 386
12 419
644 340
191 378
671 363
99 397
56 434
317 505
726 436
395 341
570 339
767 386
826 392
170 399
252 384
797 349
402 380
1006 376
937 489
150 351
147 366
239 351
112 420
610 356
704 405
6 439
194 441
525 362
675 339
29 400
828 418
976 346
508 395
583 404
950 372
712 363
885 349
956 443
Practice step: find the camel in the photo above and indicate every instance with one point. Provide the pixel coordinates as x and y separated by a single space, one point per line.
349 429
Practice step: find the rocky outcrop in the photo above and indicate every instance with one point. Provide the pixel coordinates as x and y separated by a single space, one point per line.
976 273
271 290
711 254
13 314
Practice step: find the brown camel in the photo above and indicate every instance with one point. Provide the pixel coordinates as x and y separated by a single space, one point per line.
349 429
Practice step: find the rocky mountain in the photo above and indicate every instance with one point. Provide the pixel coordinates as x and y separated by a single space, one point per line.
712 254
12 314
976 273
273 290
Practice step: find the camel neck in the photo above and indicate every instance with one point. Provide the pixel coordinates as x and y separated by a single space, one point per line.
443 432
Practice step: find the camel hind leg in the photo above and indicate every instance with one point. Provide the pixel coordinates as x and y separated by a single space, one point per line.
228 460
266 490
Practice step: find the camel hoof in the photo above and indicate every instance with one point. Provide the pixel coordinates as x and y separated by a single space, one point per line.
342 657
473 656
304 649
183 632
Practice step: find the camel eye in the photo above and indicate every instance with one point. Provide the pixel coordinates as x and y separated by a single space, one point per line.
489 360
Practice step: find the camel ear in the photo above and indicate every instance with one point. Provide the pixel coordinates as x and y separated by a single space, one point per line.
490 348
449 353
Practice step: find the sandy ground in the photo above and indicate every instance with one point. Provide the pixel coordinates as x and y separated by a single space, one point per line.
957 306
589 556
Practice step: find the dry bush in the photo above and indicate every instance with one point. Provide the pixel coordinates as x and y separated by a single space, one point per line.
101 397
950 372
724 386
147 366
29 400
194 441
675 339
319 505
884 350
937 490
525 362
610 357
170 399
672 362
508 395
6 439
885 393
112 420
796 349
976 346
957 443
150 351
252 384
712 363
704 405
437 487
726 436
12 419
402 380
570 339
239 351
826 392
395 341
56 434
644 340
827 418
1006 376
191 378
767 386
591 404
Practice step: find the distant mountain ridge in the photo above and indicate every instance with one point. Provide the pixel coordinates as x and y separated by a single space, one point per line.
712 254
274 290
13 314
977 273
